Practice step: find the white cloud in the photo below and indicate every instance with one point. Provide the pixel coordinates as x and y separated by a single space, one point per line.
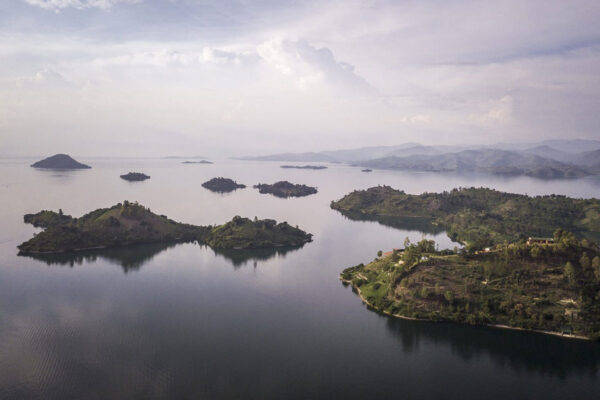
58 5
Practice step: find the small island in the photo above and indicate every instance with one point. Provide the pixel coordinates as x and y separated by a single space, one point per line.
546 285
304 166
59 161
243 233
197 162
286 189
127 224
222 185
367 170
135 177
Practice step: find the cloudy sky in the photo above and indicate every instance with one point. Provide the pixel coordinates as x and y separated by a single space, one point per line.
233 77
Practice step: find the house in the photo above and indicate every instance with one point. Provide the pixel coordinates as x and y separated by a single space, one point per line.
539 240
389 253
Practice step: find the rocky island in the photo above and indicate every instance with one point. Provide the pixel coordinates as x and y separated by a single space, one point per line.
59 161
128 224
222 185
304 166
135 177
548 286
286 189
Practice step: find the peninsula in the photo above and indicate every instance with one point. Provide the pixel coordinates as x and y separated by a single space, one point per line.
478 217
549 286
222 185
59 161
135 177
286 189
128 224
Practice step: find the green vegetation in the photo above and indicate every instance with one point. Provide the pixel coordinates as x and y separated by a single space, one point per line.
286 189
135 176
550 287
47 218
131 223
243 233
478 217
222 185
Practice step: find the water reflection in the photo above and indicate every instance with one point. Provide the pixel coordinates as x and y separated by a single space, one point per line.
242 256
520 351
420 224
130 258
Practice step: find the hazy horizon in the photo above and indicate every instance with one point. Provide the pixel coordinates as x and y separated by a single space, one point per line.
150 78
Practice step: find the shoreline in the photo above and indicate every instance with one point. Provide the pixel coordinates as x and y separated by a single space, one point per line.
498 326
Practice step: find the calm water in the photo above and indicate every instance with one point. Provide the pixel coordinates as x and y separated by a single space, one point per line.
185 322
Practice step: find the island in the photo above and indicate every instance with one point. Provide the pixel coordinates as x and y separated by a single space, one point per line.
135 177
127 223
244 233
59 161
304 166
478 217
547 285
286 189
367 170
197 162
222 185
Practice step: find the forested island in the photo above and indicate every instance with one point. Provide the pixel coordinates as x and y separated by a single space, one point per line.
222 185
128 224
60 161
304 166
478 217
286 189
550 285
135 176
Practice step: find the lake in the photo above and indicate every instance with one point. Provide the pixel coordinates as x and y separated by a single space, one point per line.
185 321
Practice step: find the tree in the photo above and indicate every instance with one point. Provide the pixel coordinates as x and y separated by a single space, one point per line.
535 252
379 253
596 267
585 261
569 272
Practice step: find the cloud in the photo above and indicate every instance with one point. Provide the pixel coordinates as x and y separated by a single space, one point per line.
57 5
311 66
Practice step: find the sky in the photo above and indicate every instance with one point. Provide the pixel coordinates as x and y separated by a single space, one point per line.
240 77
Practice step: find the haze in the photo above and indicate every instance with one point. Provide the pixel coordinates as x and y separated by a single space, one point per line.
224 78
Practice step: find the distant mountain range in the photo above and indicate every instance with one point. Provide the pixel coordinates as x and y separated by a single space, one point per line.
548 159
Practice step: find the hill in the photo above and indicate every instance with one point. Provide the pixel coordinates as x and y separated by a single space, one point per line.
59 161
489 161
